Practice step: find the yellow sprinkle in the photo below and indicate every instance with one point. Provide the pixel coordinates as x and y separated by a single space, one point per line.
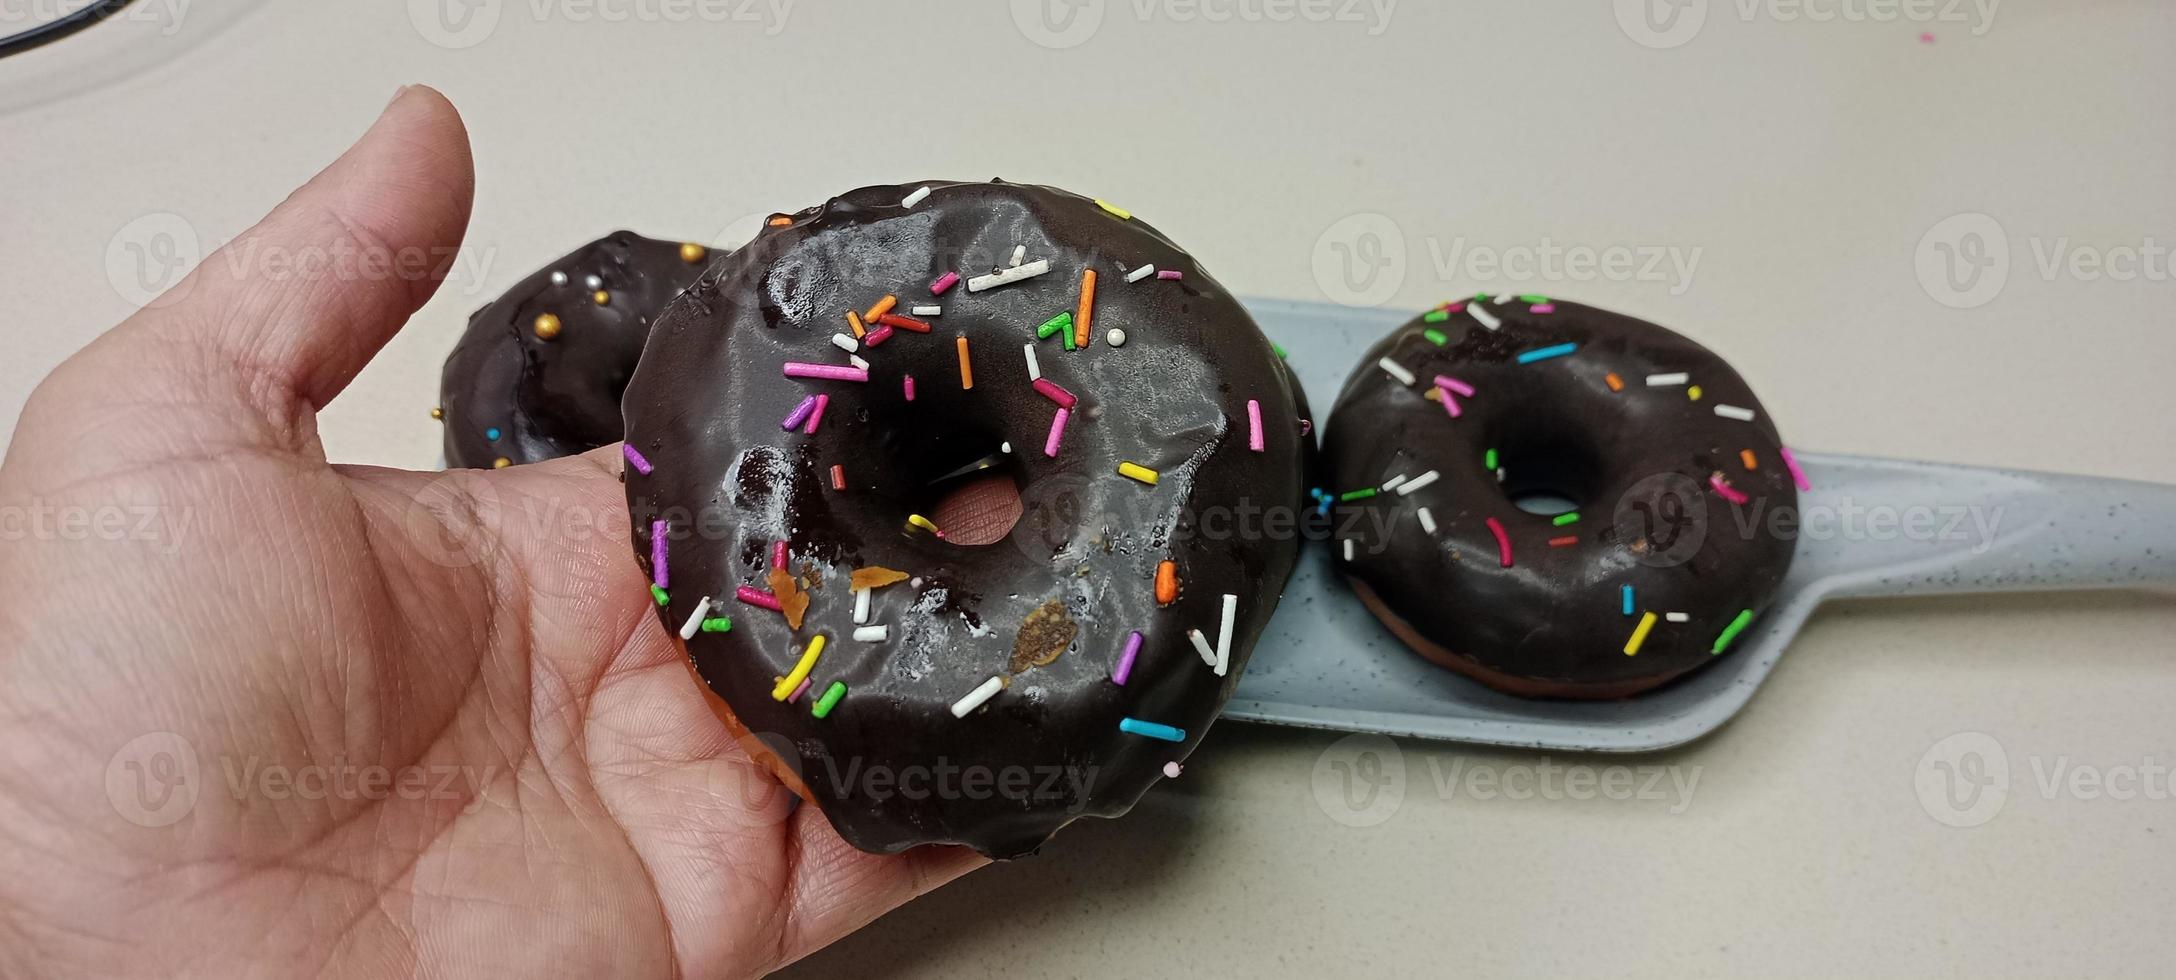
501 463
1122 213
784 688
1135 471
921 522
853 320
602 297
1639 634
1693 392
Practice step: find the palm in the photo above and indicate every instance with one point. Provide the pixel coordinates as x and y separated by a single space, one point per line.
434 723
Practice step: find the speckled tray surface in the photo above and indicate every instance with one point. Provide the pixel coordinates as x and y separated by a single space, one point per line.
1326 663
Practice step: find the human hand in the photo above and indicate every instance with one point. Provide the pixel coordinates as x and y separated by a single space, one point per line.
559 795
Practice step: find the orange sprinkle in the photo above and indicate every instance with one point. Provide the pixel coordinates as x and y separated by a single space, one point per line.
1167 582
838 477
1433 394
882 307
853 320
1615 383
1751 461
779 221
903 322
1564 542
1087 307
967 370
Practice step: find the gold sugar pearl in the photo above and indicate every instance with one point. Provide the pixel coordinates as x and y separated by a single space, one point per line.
602 297
501 463
692 253
547 326
439 414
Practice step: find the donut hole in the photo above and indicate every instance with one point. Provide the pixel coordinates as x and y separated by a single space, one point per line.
971 488
1550 476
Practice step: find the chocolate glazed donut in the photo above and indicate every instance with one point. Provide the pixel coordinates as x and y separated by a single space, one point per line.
1059 363
1673 472
539 372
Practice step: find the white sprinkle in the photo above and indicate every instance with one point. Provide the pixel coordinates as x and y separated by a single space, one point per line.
1396 370
1392 483
1667 380
1678 617
1141 273
845 342
1418 482
1005 447
1499 474
1009 276
1019 255
1201 646
1348 549
855 360
1224 634
861 605
594 282
1035 369
1486 318
920 194
974 698
558 278
695 622
1172 770
1734 412
1116 338
928 311
1504 298
873 634
1427 521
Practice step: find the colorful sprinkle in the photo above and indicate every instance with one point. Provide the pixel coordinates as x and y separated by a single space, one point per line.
944 282
800 670
1564 542
1746 457
1728 492
779 553
826 372
718 624
1055 392
983 692
882 307
1627 593
917 520
1667 380
927 310
832 694
1546 353
1532 298
906 385
1167 582
1121 213
1170 274
795 697
878 336
906 323
799 414
1639 635
1503 541
1351 495
1436 337
1790 462
635 459
1406 489
694 622
1009 276
1125 660
1135 471
1427 520
1035 368
1488 460
853 320
920 194
1255 441
1396 370
838 477
1450 402
757 597
967 367
1486 318
1677 617
1057 432
1693 393
1734 412
1149 729
873 634
845 343
1569 517
1615 383
1448 383
1201 645
1730 632
1050 327
1224 633
1141 273
1087 310
1435 316
660 572
662 597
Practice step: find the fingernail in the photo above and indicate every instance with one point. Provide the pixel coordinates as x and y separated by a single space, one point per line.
397 93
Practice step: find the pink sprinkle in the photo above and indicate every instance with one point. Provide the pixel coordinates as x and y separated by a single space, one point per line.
908 384
778 553
816 417
1254 426
634 459
1057 432
757 597
659 573
799 414
1306 426
1927 38
1450 404
944 282
1458 307
826 372
795 698
1125 660
1050 389
1791 462
882 333
1453 384
1730 493
1503 541
1170 274
1542 308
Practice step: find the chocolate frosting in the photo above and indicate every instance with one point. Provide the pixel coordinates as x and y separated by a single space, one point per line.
1049 608
557 397
1637 460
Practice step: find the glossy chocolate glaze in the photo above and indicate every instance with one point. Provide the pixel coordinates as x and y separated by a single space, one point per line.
558 397
705 409
1636 462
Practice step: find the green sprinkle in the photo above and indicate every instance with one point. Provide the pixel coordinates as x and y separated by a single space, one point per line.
1480 297
1436 316
1531 298
1351 495
1563 519
1731 631
1067 333
1062 321
1489 460
718 624
1435 337
660 595
1279 348
830 699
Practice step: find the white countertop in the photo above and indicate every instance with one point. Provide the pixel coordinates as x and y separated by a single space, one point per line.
1806 161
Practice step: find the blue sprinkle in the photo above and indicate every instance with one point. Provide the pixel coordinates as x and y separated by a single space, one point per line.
1628 600
1135 726
1546 353
491 434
